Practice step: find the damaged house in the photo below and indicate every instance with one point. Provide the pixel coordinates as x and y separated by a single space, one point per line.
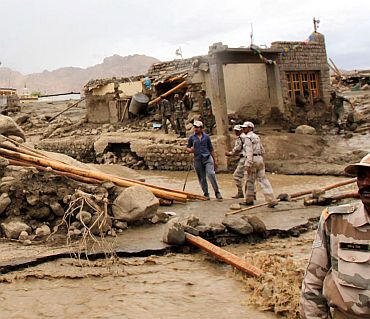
286 84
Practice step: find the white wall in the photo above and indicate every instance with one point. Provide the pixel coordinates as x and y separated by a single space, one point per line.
245 84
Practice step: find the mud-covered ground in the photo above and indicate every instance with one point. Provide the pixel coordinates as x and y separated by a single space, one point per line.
184 285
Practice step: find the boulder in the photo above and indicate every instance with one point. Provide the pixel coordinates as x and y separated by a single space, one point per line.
13 228
8 127
305 129
174 233
135 203
4 202
120 225
23 236
238 225
36 212
57 208
160 217
217 229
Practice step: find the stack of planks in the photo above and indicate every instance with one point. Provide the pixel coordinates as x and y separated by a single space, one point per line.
22 155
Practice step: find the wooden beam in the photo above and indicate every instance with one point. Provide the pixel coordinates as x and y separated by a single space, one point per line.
174 89
224 255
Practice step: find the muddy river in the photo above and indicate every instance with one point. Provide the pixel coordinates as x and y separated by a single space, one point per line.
171 286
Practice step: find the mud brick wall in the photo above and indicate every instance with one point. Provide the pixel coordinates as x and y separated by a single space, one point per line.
309 56
80 148
175 66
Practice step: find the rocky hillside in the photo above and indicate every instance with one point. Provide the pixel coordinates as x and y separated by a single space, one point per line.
72 78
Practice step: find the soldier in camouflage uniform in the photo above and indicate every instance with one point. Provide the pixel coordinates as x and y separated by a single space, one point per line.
166 112
179 115
337 279
338 110
207 114
238 150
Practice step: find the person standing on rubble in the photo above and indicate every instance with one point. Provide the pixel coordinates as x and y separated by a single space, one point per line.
254 167
166 112
337 279
338 109
179 115
238 150
201 146
207 114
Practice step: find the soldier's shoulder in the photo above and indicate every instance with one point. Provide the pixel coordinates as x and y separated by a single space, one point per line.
342 209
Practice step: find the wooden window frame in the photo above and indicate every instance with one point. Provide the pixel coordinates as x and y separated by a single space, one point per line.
299 81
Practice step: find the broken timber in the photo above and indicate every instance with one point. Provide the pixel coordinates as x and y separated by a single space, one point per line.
224 255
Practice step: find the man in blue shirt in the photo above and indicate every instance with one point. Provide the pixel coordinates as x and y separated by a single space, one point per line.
204 159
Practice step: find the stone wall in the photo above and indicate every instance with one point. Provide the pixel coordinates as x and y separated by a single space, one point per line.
309 56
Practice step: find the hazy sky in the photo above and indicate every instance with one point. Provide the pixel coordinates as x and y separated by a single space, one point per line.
48 34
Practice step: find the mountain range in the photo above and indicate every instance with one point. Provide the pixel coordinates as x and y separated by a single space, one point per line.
72 79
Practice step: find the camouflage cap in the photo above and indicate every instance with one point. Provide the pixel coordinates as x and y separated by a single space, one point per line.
237 128
247 124
353 168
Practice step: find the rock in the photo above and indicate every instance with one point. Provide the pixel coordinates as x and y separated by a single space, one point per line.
23 236
100 225
42 212
365 87
13 228
32 199
76 225
235 206
174 233
4 202
135 203
84 217
238 225
57 208
120 225
27 242
160 217
204 230
191 220
305 129
191 230
77 232
9 128
257 224
42 231
217 229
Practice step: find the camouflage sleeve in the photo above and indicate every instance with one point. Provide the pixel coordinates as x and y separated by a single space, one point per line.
248 150
312 302
237 147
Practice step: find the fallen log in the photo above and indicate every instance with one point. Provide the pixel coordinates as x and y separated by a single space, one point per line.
248 208
166 194
224 255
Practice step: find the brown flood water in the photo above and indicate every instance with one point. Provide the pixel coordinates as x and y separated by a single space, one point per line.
171 286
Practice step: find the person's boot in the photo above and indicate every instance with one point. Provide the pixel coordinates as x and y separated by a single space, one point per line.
248 202
239 194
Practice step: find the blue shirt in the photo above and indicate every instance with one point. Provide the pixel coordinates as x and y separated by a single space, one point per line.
202 147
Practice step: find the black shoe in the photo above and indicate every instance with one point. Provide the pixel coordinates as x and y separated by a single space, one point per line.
238 195
207 197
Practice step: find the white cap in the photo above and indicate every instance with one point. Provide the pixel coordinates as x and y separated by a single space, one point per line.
237 128
248 124
198 124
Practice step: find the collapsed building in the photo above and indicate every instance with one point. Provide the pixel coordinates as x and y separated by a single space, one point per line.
286 84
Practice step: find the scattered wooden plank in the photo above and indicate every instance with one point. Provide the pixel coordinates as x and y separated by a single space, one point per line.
224 255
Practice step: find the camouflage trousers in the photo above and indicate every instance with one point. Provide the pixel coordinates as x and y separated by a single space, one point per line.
180 125
258 174
164 123
239 175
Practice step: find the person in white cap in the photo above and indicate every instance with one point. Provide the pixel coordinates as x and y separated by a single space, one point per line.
238 150
204 159
337 279
254 167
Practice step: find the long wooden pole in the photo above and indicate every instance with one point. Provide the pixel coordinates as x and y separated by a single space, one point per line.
224 255
65 110
44 169
91 174
294 195
174 89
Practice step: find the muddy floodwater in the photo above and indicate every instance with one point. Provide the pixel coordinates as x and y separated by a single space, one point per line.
170 286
